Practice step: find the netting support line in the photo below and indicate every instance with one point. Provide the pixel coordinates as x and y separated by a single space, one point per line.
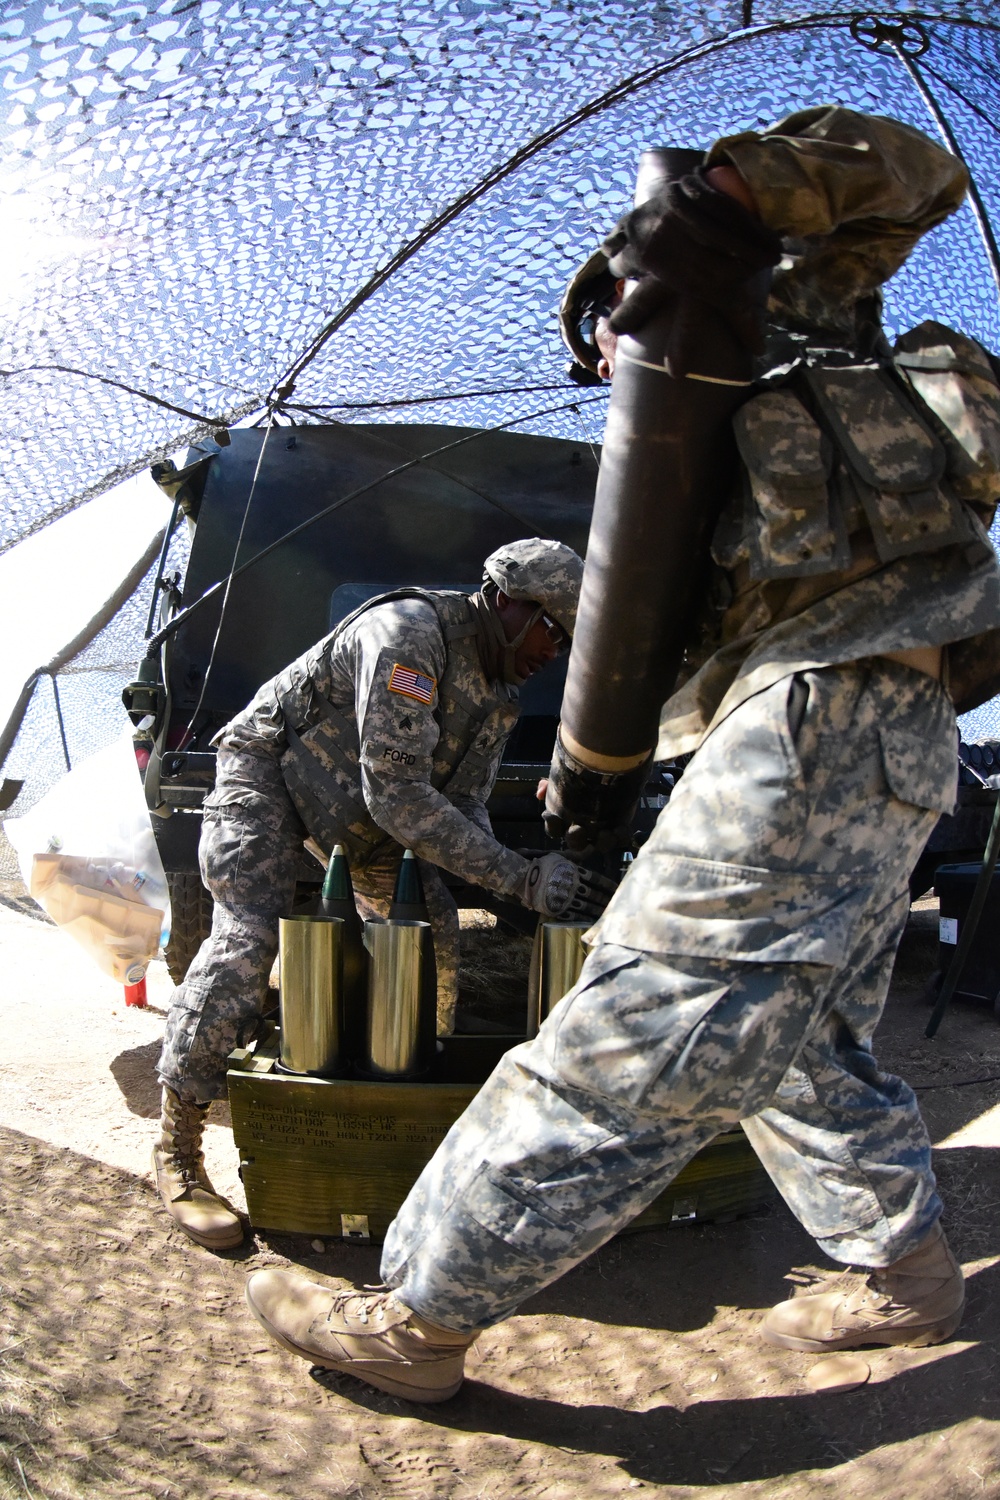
940 119
59 720
284 388
118 385
213 591
233 573
320 407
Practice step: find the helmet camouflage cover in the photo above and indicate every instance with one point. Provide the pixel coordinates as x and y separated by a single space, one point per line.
547 573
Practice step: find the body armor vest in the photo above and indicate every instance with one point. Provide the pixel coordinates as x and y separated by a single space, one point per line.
902 455
321 764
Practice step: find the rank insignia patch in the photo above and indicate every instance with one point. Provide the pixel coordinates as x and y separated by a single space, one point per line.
412 684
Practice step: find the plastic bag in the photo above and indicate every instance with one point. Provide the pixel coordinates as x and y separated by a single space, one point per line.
89 858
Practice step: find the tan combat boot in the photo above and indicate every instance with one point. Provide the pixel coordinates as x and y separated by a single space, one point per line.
182 1182
367 1334
916 1301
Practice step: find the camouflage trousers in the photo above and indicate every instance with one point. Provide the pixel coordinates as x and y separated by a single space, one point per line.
250 854
738 975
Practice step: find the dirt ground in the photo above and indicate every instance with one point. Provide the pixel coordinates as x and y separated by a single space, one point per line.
130 1367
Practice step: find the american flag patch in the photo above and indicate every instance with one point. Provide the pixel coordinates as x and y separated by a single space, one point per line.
412 684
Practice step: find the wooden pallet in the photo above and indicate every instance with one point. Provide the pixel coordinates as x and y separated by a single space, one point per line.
336 1157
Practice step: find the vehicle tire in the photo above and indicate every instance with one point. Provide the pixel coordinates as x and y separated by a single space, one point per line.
190 921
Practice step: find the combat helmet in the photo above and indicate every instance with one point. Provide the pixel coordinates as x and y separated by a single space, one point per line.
547 573
589 295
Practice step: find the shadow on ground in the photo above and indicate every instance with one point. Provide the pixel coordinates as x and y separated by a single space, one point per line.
135 1074
130 1367
744 1441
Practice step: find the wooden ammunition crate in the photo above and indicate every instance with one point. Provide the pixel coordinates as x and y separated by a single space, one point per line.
336 1157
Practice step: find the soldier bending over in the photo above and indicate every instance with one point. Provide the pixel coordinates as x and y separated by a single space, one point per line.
386 734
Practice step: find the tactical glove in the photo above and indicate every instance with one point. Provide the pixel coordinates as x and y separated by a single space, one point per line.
693 243
591 809
556 887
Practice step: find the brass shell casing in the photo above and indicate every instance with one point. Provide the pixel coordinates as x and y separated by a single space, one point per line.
311 966
556 961
399 1035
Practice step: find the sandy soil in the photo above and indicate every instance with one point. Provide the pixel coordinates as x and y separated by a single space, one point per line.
130 1367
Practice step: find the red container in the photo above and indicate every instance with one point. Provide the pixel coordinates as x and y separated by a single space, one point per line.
135 994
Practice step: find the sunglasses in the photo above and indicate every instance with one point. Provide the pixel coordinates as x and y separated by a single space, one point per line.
556 634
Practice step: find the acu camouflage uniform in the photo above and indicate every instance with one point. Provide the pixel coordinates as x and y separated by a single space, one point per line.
741 969
385 735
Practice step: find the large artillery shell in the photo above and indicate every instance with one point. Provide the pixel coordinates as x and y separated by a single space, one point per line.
556 961
667 464
400 1025
311 963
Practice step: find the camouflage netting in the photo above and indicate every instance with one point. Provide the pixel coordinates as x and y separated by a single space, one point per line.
197 192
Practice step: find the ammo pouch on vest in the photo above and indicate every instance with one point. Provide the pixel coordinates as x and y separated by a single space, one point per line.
957 385
840 448
791 526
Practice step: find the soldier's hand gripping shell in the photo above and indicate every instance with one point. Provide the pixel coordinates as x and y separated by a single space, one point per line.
556 887
692 241
590 809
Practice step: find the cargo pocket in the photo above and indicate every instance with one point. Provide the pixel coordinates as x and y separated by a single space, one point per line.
510 1211
919 771
247 861
955 380
694 1038
792 528
220 850
613 1038
896 462
678 904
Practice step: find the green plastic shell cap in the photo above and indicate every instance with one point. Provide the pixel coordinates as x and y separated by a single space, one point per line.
337 880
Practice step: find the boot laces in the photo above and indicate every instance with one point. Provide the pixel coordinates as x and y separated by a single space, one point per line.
858 1286
848 1280
183 1143
360 1306
879 1292
188 1170
188 1154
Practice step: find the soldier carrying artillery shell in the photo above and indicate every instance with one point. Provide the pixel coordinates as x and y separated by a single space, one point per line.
740 970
